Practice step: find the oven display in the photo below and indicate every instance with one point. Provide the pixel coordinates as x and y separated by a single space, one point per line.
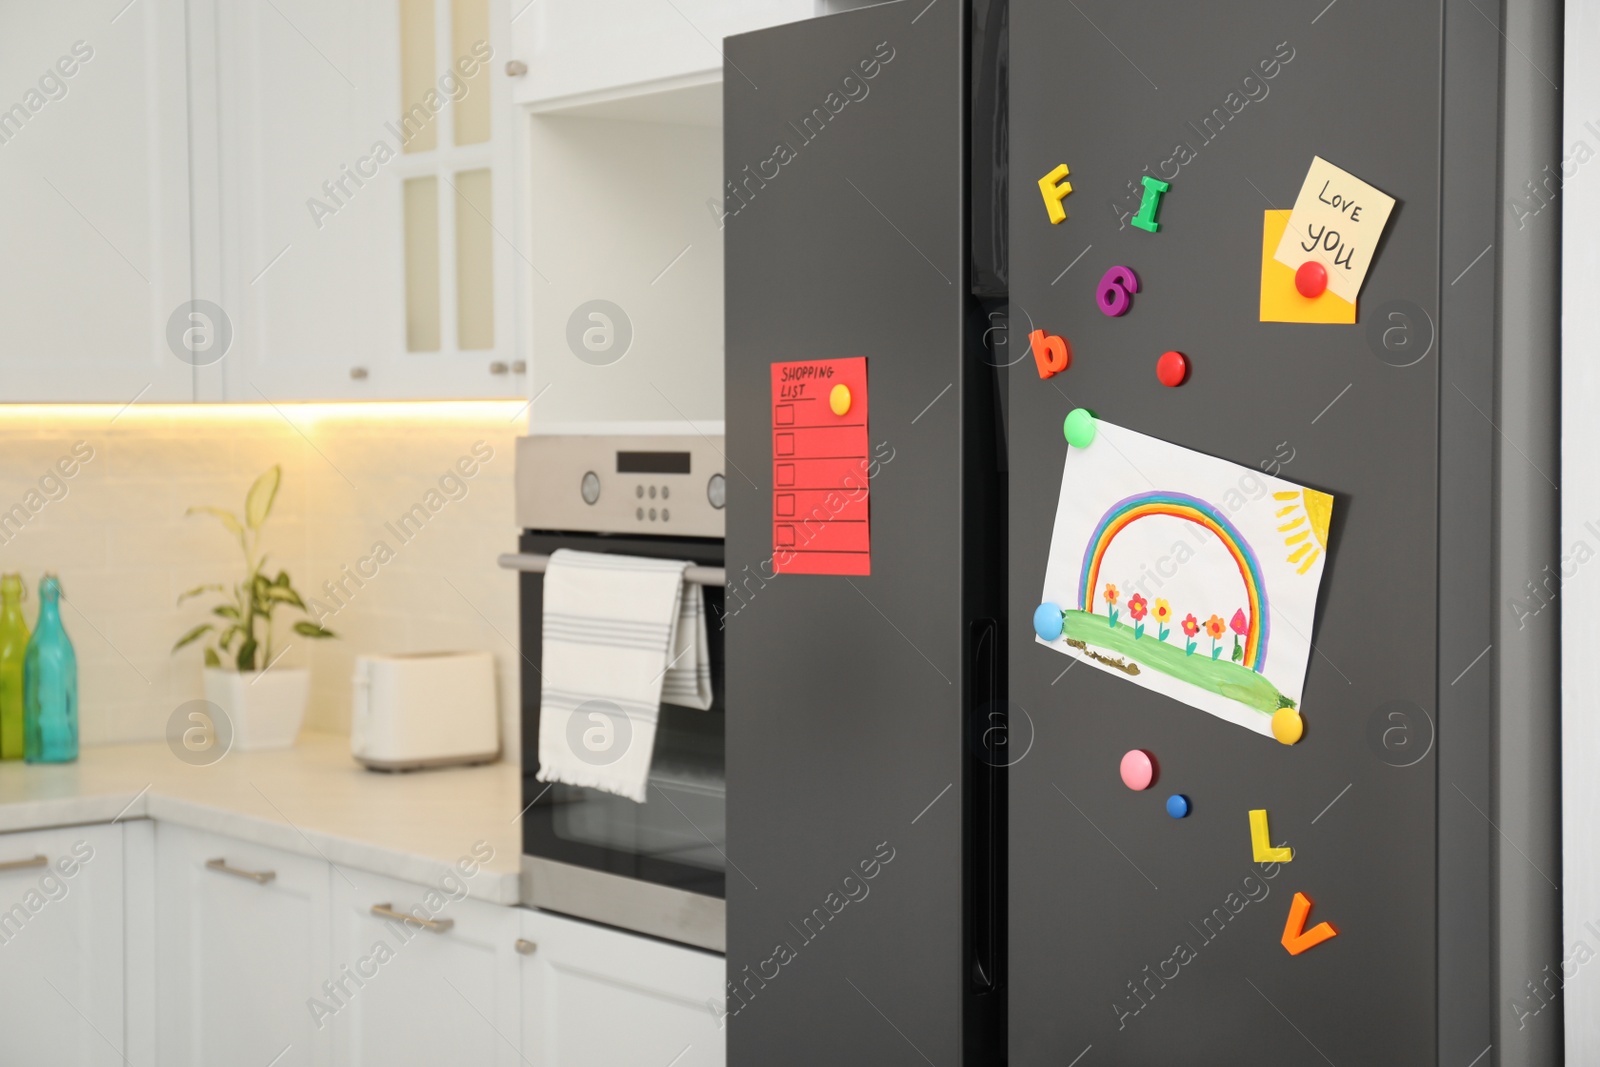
652 463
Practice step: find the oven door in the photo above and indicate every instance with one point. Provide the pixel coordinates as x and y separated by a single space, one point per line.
658 867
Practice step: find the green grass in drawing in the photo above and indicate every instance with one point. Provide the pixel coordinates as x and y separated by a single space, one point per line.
1219 676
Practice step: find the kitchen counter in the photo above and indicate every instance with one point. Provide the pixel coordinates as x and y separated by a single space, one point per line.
313 799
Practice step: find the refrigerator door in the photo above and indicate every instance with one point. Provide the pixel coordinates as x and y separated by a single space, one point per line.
1153 939
853 804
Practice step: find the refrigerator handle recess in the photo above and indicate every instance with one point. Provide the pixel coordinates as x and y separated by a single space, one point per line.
989 749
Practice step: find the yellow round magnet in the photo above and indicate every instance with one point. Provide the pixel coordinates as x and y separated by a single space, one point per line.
1287 726
839 399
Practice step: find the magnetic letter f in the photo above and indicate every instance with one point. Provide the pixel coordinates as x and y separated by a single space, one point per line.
1054 193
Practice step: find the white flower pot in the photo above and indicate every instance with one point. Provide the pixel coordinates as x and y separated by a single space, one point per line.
264 709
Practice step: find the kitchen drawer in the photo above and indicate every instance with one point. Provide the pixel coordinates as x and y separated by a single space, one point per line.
440 988
594 997
242 944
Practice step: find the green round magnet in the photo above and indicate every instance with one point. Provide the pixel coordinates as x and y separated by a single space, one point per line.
1079 428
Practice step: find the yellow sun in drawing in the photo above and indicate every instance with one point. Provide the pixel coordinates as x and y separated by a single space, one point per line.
1305 528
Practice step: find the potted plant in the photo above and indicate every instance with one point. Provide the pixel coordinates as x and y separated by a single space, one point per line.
264 703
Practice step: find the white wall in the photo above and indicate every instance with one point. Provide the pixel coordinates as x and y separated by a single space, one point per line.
117 536
1580 506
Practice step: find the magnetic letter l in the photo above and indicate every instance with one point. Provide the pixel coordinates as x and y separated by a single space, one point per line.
1261 841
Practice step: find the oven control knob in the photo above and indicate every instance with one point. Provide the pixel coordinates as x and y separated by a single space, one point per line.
590 488
717 491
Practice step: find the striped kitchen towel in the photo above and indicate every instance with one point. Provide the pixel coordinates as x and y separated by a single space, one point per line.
621 634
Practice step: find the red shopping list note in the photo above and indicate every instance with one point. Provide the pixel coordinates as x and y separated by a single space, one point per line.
820 512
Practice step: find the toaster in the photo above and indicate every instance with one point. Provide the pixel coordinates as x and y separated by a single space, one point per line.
424 709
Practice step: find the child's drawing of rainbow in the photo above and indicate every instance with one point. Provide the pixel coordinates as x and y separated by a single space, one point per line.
1181 506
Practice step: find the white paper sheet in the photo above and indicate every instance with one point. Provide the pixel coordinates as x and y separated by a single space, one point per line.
1164 528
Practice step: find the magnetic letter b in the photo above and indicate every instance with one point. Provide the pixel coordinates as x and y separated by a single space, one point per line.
1050 352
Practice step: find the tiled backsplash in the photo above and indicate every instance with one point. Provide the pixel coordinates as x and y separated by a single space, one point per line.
389 517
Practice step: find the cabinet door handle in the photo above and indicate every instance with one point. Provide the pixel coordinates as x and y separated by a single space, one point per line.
22 865
386 911
515 68
258 877
527 948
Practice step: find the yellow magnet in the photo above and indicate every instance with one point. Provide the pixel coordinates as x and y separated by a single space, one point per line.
1261 842
1287 725
839 399
1054 193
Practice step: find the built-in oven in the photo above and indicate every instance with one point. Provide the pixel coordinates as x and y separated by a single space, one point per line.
657 867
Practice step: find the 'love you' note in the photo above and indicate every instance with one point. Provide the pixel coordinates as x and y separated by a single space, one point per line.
1337 221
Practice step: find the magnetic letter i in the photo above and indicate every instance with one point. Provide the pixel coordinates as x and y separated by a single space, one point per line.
1146 218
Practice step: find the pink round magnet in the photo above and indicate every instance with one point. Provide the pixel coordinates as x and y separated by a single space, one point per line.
1138 769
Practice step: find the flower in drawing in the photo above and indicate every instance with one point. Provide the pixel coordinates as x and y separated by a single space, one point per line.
1240 626
1191 626
1163 614
1214 629
1111 596
1138 606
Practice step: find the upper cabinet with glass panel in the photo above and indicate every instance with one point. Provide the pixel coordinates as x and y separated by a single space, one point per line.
258 200
364 182
265 200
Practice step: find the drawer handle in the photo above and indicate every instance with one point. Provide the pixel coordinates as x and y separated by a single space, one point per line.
527 948
22 865
386 911
258 877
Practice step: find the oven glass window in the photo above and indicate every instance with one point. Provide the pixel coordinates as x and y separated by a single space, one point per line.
678 837
683 820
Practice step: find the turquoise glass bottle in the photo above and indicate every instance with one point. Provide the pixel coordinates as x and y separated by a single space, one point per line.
13 647
50 684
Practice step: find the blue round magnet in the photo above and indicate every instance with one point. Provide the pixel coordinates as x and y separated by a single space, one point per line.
1177 805
1047 621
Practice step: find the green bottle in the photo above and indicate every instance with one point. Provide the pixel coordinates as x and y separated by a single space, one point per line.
50 684
13 646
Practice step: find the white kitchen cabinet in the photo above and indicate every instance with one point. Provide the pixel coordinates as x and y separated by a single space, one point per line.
580 52
61 947
242 948
598 997
443 988
365 199
147 942
95 182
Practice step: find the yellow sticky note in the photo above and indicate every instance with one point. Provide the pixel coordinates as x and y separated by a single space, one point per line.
1337 221
1280 300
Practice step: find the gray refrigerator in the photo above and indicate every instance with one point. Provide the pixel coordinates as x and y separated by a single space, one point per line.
895 715
850 741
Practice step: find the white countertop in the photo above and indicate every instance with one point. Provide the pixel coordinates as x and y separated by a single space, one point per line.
313 799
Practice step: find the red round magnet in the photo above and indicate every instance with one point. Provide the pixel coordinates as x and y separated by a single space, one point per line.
1311 279
1172 368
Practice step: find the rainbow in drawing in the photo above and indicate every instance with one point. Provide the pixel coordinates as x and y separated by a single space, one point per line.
1193 509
